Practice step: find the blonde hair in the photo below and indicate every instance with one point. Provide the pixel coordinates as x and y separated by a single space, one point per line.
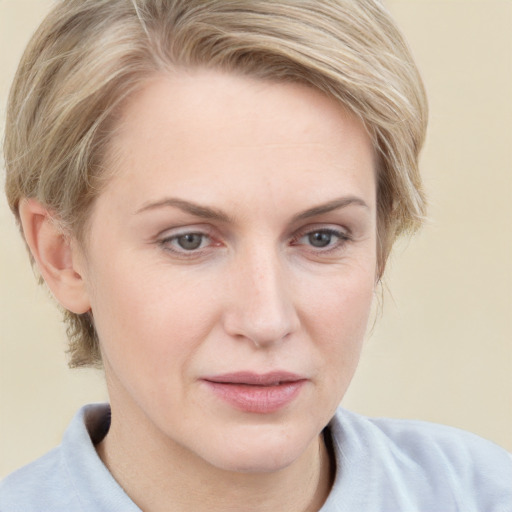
88 56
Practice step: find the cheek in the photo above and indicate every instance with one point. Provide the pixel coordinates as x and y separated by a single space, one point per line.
336 316
148 317
151 326
341 299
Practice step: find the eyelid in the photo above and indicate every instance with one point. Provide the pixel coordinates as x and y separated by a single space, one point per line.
343 235
165 238
330 228
182 229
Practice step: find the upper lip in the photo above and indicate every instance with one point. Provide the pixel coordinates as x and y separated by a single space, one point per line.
273 378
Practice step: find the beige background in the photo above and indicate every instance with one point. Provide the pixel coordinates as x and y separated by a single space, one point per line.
442 350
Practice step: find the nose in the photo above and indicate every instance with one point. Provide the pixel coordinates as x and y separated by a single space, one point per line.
261 300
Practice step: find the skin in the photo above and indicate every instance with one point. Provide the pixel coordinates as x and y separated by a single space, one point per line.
263 174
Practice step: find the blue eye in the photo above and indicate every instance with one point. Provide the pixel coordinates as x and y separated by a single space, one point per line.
320 238
323 238
190 241
186 242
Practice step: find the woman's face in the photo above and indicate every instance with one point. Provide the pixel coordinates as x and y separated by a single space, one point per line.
230 266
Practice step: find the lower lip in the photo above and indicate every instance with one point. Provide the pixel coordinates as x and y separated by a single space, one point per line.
257 399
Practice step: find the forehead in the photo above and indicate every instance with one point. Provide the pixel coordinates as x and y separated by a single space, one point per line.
197 125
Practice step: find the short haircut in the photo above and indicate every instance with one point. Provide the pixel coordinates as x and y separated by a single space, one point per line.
89 56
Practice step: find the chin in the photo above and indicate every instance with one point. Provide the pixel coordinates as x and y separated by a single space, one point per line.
261 449
263 461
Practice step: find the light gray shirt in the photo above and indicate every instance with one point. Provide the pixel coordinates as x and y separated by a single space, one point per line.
382 465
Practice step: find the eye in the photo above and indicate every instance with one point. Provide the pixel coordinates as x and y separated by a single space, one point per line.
186 242
320 238
324 238
190 241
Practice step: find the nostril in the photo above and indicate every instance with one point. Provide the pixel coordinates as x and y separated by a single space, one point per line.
263 332
261 308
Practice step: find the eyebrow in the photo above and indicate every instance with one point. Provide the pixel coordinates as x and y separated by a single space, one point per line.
335 204
207 212
195 209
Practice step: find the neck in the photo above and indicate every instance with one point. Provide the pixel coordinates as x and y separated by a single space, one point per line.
154 472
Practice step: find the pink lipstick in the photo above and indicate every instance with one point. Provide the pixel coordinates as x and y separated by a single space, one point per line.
256 393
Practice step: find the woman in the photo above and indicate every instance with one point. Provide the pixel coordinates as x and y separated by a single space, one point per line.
210 190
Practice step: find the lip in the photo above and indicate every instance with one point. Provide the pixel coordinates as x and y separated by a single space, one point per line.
256 393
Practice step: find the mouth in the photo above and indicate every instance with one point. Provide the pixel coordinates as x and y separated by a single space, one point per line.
256 393
255 379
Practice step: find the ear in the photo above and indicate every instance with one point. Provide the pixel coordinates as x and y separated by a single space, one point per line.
56 256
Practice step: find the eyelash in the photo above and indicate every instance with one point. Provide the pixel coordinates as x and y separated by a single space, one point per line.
342 238
168 242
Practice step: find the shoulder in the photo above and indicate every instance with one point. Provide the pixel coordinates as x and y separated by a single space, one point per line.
422 466
425 441
71 477
41 485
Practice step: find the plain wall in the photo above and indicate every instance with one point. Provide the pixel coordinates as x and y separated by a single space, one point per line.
442 350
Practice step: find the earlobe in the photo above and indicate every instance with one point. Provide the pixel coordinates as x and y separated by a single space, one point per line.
55 256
